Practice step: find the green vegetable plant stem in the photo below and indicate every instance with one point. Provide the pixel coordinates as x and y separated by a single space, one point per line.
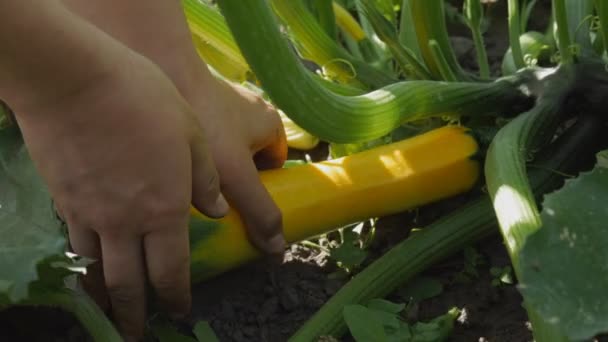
507 179
429 22
579 17
387 33
474 15
601 7
83 308
514 33
350 119
563 34
317 46
326 17
407 32
441 62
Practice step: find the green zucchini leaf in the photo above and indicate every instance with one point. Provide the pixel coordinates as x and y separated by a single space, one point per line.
420 288
438 329
31 236
364 324
564 273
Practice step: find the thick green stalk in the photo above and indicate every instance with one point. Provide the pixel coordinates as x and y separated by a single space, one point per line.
317 46
349 119
83 308
429 22
514 33
563 35
507 179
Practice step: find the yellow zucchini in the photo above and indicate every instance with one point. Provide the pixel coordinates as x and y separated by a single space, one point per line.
319 197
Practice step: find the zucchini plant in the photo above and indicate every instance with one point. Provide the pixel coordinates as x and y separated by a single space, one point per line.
407 124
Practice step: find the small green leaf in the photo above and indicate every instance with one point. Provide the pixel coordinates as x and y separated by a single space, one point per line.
438 329
204 332
421 288
385 305
564 264
348 255
363 324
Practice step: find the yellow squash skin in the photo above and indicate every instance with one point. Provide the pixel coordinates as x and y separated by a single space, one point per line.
319 197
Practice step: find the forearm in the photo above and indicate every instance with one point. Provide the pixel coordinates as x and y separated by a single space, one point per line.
47 52
155 28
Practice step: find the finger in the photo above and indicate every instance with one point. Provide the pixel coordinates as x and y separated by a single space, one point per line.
274 152
85 242
168 263
261 216
206 194
125 283
270 142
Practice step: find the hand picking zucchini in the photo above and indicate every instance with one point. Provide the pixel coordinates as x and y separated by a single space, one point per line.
319 197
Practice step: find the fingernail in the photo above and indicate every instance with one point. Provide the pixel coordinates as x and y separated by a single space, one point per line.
221 206
276 244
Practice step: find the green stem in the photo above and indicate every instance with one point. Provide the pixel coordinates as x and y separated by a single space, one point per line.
387 33
482 55
440 61
317 46
563 34
507 179
429 23
407 32
83 308
349 119
326 17
602 12
473 11
579 16
514 33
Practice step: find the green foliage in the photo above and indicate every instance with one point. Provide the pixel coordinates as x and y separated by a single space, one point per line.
31 237
420 288
349 255
381 320
472 260
501 275
564 269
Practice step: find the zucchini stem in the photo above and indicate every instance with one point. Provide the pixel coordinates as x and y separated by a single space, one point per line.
563 35
83 308
514 34
507 179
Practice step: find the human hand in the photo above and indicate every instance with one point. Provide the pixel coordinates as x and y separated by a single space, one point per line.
124 157
245 134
